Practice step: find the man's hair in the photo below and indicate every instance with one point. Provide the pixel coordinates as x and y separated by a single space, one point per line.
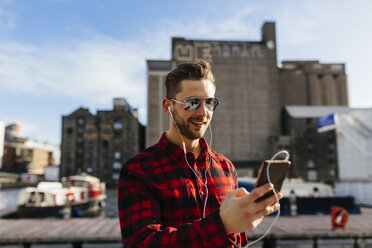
200 70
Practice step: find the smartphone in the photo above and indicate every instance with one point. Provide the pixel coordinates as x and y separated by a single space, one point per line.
277 171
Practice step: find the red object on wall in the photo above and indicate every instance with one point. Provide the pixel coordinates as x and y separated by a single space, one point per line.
339 217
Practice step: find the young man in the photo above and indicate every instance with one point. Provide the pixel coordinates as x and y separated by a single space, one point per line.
180 193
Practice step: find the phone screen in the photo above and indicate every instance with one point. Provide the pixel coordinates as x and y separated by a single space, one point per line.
278 171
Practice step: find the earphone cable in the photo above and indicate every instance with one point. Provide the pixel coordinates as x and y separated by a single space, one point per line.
205 184
274 191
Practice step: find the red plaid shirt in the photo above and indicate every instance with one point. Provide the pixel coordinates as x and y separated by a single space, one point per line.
161 201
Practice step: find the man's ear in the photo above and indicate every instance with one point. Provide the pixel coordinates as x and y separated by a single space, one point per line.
166 106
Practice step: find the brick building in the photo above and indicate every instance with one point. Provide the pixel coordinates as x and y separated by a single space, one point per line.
99 144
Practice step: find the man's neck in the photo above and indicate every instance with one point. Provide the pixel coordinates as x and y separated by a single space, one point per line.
191 145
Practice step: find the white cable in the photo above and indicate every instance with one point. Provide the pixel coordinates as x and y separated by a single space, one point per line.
205 184
274 191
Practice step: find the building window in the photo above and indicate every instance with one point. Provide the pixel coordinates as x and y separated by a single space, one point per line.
80 121
117 125
117 155
312 175
69 130
105 144
310 163
115 176
116 165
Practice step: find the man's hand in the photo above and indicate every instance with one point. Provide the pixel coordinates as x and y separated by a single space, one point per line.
239 212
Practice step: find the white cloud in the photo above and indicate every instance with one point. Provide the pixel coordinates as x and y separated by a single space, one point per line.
219 26
94 70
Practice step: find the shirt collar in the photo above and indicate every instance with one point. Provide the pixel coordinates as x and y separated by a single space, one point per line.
169 147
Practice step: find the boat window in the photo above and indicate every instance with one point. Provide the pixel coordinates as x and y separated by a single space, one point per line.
32 198
41 197
79 183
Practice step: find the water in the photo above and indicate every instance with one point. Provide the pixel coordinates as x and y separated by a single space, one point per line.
111 204
9 198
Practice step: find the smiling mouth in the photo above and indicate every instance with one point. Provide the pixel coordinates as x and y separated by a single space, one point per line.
198 123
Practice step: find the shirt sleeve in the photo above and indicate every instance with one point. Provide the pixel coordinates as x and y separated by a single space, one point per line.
141 224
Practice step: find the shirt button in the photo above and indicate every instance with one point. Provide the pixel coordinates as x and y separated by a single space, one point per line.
202 193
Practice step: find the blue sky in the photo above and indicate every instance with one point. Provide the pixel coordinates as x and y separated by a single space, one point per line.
58 55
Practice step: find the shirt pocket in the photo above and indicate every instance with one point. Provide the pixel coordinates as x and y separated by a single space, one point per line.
178 201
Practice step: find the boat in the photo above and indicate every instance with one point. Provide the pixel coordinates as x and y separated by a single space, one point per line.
306 198
75 196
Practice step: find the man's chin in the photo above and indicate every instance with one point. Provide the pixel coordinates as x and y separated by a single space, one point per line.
198 135
195 135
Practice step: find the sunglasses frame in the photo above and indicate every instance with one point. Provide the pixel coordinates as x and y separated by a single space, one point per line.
200 98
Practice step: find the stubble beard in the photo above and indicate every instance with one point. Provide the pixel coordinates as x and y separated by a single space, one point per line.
184 127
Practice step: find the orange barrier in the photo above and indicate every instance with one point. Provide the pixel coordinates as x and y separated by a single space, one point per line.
339 217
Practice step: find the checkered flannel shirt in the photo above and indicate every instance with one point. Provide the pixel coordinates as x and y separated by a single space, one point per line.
161 201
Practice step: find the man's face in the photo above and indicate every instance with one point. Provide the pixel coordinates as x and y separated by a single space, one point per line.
193 125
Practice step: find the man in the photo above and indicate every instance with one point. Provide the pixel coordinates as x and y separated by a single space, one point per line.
180 193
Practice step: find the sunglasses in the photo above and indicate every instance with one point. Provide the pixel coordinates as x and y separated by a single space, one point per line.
192 103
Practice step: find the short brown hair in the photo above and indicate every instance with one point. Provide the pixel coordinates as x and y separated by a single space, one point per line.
200 70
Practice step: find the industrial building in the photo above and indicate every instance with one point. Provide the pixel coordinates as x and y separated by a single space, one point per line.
313 154
253 88
99 144
313 83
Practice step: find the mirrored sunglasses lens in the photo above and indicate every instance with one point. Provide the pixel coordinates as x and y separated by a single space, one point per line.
191 104
211 103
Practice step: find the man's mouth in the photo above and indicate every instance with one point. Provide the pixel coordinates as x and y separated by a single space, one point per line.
198 123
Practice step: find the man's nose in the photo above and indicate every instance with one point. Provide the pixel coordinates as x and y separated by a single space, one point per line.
202 109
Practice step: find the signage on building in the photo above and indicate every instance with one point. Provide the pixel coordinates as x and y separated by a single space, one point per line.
326 123
191 51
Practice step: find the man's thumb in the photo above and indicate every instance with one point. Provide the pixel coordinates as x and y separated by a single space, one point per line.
238 192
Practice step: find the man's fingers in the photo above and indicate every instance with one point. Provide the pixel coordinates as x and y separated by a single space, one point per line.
266 211
242 192
257 193
268 201
237 193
